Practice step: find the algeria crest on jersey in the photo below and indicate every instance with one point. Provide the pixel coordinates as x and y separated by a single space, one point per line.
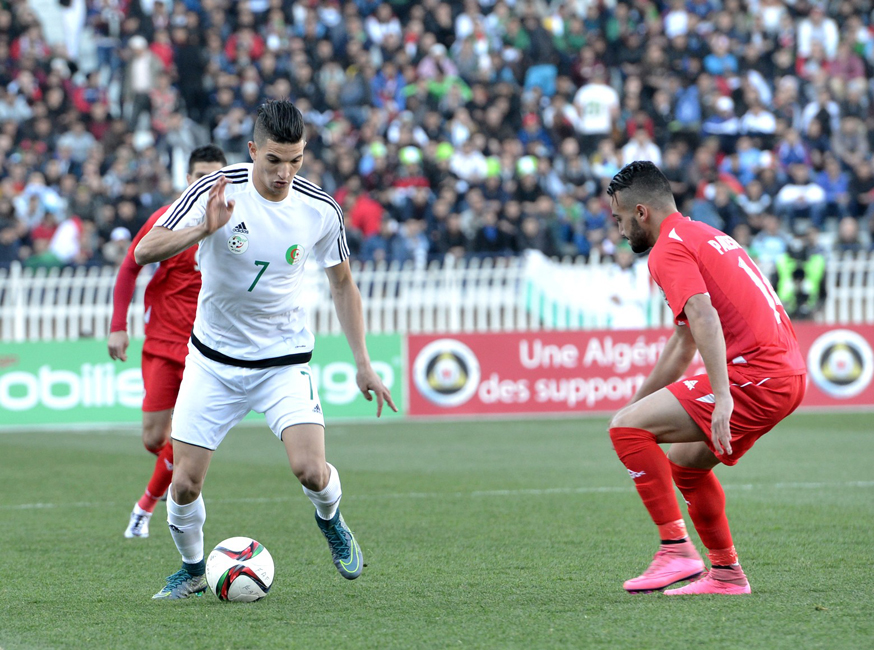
294 254
238 244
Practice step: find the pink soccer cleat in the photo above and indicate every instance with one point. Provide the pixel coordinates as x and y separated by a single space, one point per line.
731 582
672 563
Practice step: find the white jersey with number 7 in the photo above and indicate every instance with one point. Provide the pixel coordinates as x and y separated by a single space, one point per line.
253 266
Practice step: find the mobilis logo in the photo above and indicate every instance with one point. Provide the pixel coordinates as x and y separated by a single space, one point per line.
95 385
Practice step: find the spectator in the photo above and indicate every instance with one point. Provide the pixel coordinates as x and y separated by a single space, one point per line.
142 74
792 151
467 163
849 238
534 137
850 143
746 162
115 249
598 106
451 239
366 214
533 235
758 122
801 197
92 92
720 62
862 189
822 108
382 245
723 123
727 208
817 28
490 239
382 25
817 144
836 184
641 147
846 66
770 243
754 202
800 275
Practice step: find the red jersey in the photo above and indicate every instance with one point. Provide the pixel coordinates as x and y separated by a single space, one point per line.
691 257
171 295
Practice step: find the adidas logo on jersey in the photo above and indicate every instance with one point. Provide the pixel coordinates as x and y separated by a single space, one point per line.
241 228
317 409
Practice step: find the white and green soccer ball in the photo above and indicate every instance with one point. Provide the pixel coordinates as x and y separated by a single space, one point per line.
240 570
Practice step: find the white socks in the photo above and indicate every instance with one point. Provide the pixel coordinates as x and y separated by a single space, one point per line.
186 527
328 500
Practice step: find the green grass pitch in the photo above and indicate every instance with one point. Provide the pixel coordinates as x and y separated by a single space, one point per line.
510 534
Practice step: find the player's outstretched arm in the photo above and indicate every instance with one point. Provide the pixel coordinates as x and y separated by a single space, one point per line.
347 301
122 293
162 243
672 363
707 331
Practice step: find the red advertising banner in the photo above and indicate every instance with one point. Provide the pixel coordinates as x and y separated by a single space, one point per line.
598 371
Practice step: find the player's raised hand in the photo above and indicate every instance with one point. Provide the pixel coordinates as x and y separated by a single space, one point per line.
218 211
720 426
118 342
369 381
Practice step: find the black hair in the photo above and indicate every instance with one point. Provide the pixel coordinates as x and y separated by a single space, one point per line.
644 181
278 120
206 154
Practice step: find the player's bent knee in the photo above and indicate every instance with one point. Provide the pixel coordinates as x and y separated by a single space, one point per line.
153 448
623 418
156 433
312 475
185 489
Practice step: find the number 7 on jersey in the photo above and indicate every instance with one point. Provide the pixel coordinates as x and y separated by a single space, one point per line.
263 266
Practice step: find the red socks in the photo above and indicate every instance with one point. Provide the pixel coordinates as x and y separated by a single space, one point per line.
706 502
160 480
651 471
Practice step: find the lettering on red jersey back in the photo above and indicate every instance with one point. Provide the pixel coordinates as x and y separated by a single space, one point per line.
703 260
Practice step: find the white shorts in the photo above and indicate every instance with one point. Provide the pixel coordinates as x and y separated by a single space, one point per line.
214 397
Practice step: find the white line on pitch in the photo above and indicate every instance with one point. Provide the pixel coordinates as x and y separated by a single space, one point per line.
464 495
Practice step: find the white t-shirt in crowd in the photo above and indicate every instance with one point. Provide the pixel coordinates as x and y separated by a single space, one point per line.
595 103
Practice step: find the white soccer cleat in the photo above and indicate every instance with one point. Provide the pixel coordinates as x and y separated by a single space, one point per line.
138 526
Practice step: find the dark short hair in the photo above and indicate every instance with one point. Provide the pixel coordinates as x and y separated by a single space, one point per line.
278 120
644 182
206 154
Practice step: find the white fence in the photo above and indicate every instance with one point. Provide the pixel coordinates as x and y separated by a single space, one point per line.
502 294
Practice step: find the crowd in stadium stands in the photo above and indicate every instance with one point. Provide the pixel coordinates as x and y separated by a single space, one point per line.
476 128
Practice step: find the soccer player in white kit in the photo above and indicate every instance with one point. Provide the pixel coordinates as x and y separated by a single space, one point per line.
256 224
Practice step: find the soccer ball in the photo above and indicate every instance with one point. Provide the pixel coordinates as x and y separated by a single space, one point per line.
239 569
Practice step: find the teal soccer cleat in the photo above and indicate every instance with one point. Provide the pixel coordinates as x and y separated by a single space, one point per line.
182 585
344 549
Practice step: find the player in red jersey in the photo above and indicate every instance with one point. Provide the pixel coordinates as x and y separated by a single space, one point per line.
171 303
755 376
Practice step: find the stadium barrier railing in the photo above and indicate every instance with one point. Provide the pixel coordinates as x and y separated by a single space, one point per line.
500 294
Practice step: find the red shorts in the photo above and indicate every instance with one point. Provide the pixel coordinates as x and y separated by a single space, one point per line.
162 366
759 404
